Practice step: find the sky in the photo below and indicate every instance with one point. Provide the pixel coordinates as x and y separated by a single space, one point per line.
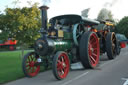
118 8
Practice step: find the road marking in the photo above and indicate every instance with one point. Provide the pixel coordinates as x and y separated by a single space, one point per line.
126 81
67 83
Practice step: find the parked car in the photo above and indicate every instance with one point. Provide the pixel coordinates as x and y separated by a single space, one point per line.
122 41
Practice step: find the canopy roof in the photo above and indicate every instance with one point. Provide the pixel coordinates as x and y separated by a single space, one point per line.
73 19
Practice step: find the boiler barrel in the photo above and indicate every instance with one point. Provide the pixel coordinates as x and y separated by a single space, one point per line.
50 46
62 45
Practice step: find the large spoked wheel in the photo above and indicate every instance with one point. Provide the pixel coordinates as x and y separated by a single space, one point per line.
61 65
111 45
28 65
77 32
89 50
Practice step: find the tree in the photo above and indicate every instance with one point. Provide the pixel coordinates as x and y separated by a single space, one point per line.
105 14
122 26
23 24
3 28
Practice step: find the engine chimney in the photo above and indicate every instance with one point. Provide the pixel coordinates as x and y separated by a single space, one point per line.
44 19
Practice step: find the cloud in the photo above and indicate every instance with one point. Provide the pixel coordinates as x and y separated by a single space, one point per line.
59 7
110 4
119 10
46 2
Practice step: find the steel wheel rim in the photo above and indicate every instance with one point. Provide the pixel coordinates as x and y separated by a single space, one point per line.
62 65
31 69
93 50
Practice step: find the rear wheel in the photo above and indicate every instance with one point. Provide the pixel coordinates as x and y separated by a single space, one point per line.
111 45
28 65
60 65
89 50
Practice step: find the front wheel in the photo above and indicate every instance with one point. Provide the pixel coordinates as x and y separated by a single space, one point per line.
28 65
60 65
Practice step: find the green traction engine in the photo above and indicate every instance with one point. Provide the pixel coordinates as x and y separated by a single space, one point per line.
68 39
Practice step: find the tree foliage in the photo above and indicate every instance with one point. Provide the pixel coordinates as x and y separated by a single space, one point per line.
122 26
3 28
21 24
105 14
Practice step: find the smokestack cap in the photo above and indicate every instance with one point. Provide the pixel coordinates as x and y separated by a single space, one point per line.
44 7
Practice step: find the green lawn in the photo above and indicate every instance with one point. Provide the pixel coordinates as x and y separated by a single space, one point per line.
10 66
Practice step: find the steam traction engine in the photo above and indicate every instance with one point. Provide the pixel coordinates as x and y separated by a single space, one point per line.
107 39
69 39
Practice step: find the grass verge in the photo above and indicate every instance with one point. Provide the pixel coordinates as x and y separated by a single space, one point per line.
10 66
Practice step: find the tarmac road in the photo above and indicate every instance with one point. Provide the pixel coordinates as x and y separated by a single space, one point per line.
109 72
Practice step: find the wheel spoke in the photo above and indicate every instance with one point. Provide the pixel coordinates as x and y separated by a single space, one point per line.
27 65
32 69
94 54
32 57
94 43
81 32
62 59
35 59
92 40
95 48
77 36
62 71
93 59
59 65
29 58
29 69
59 72
59 61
